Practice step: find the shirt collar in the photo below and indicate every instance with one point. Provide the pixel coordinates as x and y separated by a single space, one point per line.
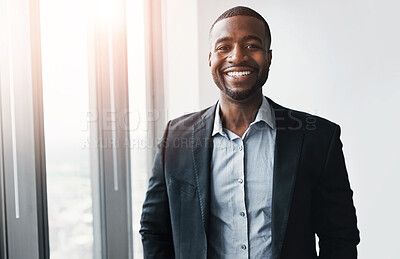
217 123
264 114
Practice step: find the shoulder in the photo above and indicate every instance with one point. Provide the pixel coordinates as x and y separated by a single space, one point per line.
287 118
179 132
318 135
188 121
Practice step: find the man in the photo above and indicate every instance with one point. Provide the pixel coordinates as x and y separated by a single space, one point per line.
247 178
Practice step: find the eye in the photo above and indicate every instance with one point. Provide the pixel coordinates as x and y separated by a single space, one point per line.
222 48
252 46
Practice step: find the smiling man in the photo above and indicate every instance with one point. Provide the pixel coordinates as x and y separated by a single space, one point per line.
248 178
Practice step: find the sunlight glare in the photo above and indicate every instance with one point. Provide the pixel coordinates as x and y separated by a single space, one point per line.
105 10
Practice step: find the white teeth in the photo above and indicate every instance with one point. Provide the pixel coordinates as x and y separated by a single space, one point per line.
238 74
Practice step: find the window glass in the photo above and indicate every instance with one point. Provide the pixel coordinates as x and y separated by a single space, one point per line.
66 105
140 147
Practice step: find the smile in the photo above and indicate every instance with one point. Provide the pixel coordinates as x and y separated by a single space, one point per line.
238 74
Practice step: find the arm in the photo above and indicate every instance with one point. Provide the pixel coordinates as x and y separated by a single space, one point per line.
155 221
335 217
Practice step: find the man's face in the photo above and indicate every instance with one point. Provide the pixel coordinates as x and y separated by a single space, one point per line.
239 57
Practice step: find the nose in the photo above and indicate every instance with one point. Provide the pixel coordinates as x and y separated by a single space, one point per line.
237 55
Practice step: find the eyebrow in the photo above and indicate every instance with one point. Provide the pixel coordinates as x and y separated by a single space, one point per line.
252 37
223 39
248 37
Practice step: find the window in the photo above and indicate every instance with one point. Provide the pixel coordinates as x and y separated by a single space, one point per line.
140 129
66 107
66 189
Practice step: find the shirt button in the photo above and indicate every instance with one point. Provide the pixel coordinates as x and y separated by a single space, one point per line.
243 247
240 148
240 180
242 214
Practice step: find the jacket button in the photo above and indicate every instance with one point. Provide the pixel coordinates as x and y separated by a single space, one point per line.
243 247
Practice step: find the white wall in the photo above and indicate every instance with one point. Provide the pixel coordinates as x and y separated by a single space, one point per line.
339 60
181 54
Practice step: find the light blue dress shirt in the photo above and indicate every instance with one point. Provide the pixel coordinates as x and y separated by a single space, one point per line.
241 188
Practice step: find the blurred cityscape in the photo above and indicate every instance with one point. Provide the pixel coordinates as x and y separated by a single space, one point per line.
70 217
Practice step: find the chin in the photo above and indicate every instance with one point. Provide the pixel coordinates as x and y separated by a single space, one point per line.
242 95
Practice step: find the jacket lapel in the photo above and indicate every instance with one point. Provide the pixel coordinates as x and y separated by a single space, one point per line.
289 139
201 154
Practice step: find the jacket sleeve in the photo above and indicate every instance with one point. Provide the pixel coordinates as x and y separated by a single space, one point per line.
335 217
155 220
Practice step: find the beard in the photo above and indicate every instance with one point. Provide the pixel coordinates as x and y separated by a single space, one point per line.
239 95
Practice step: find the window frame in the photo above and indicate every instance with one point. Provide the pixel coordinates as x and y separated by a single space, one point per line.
108 93
24 228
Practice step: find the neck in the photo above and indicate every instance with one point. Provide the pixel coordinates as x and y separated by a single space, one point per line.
237 116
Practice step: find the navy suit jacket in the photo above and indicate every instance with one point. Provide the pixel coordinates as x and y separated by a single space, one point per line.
311 191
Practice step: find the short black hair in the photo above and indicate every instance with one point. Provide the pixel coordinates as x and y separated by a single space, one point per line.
244 11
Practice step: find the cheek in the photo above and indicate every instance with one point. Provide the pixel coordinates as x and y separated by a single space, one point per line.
263 64
215 65
261 59
217 59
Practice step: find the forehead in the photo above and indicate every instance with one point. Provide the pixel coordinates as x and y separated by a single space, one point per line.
237 27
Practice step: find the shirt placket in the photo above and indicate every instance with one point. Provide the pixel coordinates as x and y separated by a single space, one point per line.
241 212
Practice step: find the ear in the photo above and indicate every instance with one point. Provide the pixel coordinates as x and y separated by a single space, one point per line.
269 56
209 59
